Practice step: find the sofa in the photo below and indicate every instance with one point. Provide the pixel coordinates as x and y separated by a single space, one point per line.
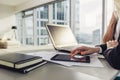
8 39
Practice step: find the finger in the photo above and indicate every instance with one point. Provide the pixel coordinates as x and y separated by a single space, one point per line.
110 41
83 53
107 43
76 50
74 53
115 40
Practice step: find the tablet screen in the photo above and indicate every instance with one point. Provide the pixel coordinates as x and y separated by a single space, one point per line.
66 57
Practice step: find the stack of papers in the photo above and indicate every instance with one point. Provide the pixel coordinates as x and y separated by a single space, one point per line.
47 55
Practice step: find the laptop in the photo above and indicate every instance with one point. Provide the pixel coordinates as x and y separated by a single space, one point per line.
62 37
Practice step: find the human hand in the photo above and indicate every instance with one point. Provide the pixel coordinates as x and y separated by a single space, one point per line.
83 50
112 44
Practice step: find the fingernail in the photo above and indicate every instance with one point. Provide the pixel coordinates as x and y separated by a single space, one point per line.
82 53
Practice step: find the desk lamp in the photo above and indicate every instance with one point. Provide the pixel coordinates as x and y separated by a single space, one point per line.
14 28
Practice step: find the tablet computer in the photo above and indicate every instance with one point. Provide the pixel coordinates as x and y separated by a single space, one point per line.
66 57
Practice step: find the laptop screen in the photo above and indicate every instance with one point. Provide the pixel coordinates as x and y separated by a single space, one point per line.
61 35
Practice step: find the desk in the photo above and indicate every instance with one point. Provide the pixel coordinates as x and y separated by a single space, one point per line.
53 71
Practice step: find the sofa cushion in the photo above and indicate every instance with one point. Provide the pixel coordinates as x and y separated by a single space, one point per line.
3 45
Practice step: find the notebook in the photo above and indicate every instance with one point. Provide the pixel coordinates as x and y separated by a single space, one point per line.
25 69
62 37
17 60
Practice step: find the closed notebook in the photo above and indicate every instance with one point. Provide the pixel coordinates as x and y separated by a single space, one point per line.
17 60
25 69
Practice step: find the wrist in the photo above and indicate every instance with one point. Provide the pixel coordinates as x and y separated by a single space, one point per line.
110 47
97 49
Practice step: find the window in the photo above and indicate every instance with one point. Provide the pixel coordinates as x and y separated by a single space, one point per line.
42 19
85 17
88 21
19 27
61 12
29 30
34 21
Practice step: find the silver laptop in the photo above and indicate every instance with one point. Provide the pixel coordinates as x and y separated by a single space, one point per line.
62 37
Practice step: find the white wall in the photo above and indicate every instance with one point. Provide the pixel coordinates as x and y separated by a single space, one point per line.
7 13
6 23
7 18
31 4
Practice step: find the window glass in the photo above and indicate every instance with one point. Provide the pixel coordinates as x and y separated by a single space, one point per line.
41 23
43 12
61 12
19 27
60 15
28 34
88 21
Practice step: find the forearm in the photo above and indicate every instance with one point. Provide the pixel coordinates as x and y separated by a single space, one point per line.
97 49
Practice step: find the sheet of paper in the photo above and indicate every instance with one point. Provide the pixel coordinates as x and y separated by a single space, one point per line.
82 76
47 55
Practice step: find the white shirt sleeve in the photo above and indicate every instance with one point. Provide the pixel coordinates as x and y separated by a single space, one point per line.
100 49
